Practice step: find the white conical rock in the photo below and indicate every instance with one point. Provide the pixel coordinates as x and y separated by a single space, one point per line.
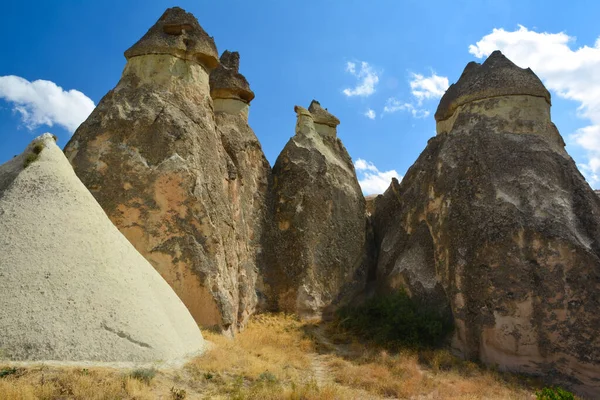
72 288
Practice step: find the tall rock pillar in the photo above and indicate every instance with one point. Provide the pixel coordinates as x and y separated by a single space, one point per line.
495 221
248 173
319 224
151 155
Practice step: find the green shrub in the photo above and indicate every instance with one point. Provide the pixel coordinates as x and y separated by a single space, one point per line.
29 159
395 321
7 371
554 393
267 377
143 374
37 149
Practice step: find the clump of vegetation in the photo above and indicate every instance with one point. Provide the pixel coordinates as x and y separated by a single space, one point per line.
34 155
7 371
395 321
554 393
144 375
37 149
178 394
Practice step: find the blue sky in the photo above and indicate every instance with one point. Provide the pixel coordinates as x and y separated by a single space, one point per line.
380 66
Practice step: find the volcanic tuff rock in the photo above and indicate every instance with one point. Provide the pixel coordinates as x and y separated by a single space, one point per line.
505 96
248 176
151 155
79 292
495 221
319 233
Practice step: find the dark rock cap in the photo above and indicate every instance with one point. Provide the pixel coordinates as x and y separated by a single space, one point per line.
321 115
178 33
497 76
226 82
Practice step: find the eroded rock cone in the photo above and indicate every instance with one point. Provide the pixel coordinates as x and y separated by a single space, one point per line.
73 288
248 176
495 222
319 220
151 155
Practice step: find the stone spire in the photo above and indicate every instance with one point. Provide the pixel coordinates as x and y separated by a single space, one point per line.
319 119
498 96
153 157
497 76
177 33
229 89
318 238
321 115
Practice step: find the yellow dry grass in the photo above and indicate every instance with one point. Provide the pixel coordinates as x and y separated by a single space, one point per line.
279 357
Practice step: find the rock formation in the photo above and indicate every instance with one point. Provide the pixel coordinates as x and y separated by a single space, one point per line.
72 287
151 155
495 221
248 176
318 237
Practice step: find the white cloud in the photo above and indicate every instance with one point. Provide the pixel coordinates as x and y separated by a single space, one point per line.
371 180
393 105
430 87
570 74
367 80
370 114
422 88
44 103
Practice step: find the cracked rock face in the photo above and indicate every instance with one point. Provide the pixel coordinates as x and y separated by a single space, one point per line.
319 225
152 156
248 172
498 228
77 293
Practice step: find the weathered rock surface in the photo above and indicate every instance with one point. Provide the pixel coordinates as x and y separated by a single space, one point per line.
495 222
505 96
319 233
72 287
248 177
151 155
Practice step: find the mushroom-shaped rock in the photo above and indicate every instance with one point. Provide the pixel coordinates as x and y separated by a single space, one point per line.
227 83
325 122
495 226
501 96
179 34
73 288
229 89
318 251
150 153
497 76
322 116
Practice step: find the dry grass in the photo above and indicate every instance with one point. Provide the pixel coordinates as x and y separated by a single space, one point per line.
276 357
45 383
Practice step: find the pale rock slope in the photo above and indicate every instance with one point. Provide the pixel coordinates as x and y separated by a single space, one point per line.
72 287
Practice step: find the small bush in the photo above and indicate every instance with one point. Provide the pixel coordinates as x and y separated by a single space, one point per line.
7 371
267 377
208 376
554 393
29 159
143 375
37 149
395 321
178 394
